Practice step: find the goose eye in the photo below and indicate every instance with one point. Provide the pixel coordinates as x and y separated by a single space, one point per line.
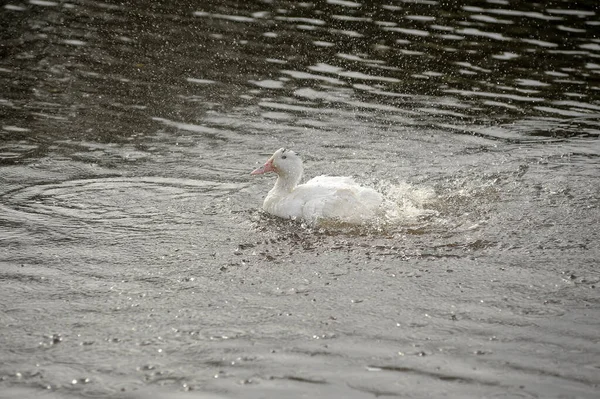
283 156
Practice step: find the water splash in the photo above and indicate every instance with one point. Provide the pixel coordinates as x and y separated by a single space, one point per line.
405 204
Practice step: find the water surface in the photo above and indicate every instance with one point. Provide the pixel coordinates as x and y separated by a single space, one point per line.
134 258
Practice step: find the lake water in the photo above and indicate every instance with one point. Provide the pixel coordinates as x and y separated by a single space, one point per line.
135 261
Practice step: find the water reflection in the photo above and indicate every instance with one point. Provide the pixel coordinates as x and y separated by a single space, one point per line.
412 48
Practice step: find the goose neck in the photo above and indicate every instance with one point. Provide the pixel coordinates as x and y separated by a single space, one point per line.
285 184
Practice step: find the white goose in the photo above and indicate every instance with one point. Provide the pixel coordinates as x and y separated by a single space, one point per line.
321 198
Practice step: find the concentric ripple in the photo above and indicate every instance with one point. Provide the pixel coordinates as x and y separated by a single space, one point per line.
115 208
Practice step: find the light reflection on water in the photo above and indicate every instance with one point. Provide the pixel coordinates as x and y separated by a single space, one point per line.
134 261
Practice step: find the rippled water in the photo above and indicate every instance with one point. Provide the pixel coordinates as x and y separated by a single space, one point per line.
134 259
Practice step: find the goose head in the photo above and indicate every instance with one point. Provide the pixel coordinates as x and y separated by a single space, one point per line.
287 164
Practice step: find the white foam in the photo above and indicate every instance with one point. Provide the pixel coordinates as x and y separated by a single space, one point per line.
404 203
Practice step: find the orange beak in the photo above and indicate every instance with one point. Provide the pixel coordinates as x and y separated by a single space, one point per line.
267 167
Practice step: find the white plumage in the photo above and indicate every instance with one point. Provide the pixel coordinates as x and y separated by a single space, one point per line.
321 198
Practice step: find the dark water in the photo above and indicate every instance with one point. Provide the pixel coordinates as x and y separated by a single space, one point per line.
134 260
